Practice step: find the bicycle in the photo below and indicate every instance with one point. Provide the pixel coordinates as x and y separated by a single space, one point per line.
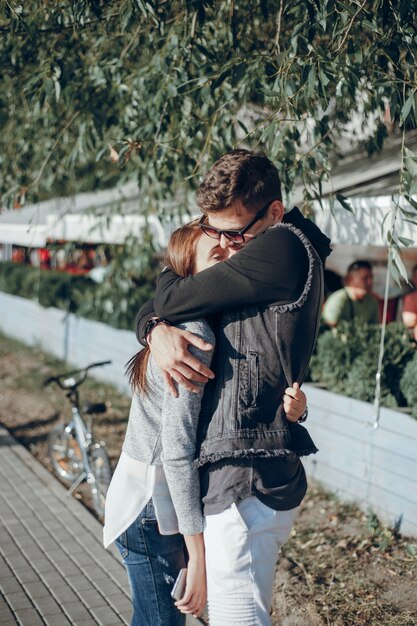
73 451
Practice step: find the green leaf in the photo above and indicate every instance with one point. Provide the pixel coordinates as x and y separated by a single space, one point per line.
405 241
411 201
243 127
344 202
411 549
408 104
399 265
410 162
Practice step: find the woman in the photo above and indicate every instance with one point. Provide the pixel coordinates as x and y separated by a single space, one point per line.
155 493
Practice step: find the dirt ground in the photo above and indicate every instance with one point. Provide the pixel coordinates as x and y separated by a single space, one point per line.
340 568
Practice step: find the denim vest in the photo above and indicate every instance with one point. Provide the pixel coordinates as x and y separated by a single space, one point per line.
259 352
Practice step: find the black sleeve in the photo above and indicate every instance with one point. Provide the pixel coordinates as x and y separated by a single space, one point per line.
145 313
271 269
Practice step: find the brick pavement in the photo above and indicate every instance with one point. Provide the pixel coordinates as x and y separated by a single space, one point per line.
54 570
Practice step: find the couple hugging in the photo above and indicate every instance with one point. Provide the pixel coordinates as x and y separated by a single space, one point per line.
210 476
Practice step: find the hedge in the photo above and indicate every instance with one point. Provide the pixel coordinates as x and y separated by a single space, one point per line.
346 360
77 294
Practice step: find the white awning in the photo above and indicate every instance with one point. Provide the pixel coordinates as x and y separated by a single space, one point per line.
105 229
108 216
364 226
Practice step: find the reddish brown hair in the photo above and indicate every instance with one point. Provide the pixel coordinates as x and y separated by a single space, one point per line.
240 175
180 257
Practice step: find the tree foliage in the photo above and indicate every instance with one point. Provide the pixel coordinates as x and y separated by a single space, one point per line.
170 86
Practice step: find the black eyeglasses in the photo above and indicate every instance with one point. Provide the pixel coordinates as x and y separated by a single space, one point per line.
235 236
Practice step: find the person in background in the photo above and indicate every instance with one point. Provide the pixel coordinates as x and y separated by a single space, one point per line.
409 313
355 300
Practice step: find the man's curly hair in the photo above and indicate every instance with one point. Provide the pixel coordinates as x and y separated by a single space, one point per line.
240 175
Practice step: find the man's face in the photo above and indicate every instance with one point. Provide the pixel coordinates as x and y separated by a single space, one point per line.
236 217
361 281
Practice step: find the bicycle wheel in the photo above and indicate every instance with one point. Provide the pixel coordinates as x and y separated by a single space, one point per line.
101 470
65 454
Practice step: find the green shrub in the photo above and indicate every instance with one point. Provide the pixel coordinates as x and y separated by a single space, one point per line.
346 360
114 302
408 384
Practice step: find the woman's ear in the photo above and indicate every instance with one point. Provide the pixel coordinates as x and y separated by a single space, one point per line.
276 211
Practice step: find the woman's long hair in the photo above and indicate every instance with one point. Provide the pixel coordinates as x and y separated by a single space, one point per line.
180 257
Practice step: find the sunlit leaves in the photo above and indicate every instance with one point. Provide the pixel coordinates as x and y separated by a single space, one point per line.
190 80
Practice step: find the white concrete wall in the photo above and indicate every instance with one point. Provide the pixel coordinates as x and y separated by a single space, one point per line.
76 340
376 468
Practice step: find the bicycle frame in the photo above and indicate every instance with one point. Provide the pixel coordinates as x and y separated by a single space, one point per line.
84 438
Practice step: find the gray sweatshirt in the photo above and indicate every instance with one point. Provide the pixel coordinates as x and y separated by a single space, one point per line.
162 431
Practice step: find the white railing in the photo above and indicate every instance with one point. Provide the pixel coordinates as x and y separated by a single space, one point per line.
74 339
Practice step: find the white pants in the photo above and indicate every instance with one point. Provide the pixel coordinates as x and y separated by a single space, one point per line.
242 546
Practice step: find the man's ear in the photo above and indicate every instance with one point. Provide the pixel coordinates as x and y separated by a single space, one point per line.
276 211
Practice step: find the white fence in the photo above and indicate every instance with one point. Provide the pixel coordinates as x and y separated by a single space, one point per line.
377 468
74 339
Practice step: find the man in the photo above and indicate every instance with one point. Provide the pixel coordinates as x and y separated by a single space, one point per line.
355 301
269 294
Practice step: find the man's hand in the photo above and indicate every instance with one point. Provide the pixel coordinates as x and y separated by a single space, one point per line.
169 348
295 402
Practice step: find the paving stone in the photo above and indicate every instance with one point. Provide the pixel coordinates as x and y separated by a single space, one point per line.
5 571
92 599
82 558
120 603
17 562
27 576
37 590
8 548
18 600
105 616
108 586
67 568
5 613
64 594
29 617
76 611
52 578
126 616
43 566
57 620
10 585
47 605
95 573
80 583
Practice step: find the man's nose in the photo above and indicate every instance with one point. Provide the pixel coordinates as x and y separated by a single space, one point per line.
224 242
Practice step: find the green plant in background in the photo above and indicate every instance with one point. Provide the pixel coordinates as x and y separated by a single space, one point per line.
408 384
346 359
114 302
129 283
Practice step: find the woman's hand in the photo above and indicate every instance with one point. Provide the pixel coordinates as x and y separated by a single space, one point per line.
295 402
195 597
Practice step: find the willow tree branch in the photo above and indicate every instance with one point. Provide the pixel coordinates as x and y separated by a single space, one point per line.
278 31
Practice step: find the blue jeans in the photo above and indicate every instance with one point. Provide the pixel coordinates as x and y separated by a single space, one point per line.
153 562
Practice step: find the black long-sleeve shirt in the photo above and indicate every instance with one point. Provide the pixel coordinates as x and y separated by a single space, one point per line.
270 269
